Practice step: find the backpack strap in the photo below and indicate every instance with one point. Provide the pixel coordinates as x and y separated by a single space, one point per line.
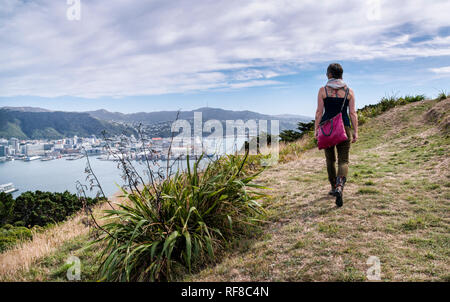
325 87
345 98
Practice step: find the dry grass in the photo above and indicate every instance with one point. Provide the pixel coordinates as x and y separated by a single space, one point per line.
294 150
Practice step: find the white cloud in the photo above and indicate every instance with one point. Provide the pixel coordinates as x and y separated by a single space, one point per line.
441 70
122 48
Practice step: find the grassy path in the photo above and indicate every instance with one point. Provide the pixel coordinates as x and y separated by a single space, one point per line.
396 208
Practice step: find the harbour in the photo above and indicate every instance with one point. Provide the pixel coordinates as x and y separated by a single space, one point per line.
61 173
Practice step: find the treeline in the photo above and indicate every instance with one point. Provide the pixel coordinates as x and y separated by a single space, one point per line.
34 209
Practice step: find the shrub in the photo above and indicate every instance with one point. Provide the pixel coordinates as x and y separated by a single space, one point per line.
10 236
43 208
180 223
6 242
32 210
413 99
7 227
21 233
442 95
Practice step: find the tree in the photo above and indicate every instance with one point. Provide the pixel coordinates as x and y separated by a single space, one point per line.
6 207
292 135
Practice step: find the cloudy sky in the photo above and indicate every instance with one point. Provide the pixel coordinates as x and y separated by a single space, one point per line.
265 56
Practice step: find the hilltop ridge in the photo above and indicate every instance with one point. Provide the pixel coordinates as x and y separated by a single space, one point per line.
395 208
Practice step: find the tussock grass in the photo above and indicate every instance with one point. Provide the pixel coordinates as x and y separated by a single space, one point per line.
180 224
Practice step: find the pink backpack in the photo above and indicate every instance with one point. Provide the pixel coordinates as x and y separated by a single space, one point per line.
332 131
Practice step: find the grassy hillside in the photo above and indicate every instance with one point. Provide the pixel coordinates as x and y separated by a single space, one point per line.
55 125
396 208
396 205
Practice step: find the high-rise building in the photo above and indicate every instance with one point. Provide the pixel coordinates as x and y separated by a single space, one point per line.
14 143
4 151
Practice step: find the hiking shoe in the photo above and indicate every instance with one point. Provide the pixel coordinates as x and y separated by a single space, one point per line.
339 201
340 182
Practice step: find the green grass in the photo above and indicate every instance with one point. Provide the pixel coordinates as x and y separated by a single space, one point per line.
329 229
53 267
368 191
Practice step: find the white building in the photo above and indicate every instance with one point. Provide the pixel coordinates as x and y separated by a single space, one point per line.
34 149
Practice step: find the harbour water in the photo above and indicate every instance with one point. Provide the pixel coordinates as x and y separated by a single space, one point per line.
59 175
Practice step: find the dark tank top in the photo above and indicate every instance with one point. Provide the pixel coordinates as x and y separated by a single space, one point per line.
333 106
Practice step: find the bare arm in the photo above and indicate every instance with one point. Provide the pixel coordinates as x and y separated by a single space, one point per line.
353 116
319 111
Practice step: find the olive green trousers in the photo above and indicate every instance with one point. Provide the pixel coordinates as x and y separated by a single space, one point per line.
343 151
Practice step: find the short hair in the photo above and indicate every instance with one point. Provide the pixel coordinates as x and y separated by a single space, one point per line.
335 70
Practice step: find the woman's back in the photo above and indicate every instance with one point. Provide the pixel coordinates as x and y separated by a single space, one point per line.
333 105
332 99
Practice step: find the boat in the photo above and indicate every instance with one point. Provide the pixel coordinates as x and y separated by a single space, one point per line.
47 158
75 157
8 188
31 158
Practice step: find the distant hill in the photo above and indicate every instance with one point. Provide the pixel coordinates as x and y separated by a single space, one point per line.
159 123
26 109
294 116
207 113
55 124
31 122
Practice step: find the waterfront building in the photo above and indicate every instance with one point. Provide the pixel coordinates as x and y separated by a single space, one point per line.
34 149
15 145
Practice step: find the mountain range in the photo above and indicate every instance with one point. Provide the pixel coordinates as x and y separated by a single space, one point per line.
40 123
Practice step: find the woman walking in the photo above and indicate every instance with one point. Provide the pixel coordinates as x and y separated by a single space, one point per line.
332 99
